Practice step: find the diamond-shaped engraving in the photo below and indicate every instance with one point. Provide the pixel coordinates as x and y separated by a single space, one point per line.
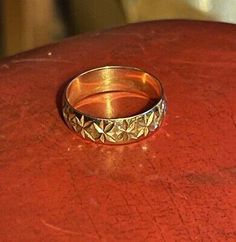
115 131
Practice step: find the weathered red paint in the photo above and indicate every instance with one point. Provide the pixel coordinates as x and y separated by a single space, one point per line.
178 185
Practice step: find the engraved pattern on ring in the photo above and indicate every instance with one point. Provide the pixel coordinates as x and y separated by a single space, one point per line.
115 131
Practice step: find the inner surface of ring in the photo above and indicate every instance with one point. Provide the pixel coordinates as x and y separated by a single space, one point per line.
114 92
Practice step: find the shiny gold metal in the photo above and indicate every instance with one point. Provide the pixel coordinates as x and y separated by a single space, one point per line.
114 104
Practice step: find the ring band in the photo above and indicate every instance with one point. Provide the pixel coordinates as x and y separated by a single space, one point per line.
114 116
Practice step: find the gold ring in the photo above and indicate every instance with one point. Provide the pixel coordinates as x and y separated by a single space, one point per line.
114 104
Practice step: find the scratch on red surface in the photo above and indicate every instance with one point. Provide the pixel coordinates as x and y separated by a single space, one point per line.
123 34
141 47
154 219
65 231
222 64
5 66
41 60
94 226
81 203
170 193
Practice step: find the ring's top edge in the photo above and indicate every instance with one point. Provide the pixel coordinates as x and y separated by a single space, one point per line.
162 99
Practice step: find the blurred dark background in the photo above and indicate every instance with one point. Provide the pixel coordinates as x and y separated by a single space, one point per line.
26 24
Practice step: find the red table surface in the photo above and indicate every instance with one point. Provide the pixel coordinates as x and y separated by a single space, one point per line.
178 185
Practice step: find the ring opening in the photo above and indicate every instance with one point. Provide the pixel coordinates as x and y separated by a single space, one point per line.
114 92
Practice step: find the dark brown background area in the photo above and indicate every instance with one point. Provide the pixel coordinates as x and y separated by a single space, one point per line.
27 24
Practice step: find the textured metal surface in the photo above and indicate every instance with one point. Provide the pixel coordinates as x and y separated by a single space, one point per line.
115 131
177 185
